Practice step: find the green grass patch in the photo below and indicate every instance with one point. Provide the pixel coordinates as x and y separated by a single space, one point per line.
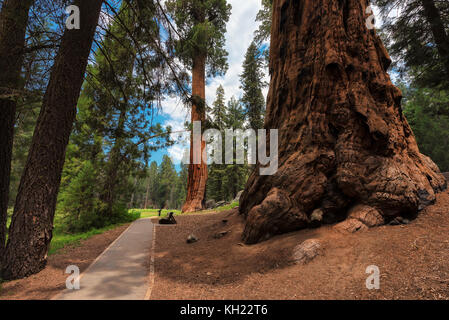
9 213
149 213
62 240
228 207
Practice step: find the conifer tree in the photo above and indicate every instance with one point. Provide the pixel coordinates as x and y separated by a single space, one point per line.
32 220
218 110
417 37
13 24
252 84
201 28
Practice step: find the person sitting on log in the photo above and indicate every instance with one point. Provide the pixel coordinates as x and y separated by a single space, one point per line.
169 220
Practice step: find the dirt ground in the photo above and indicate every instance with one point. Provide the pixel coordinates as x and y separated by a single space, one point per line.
413 261
51 280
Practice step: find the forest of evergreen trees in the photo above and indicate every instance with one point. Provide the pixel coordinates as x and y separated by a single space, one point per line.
77 106
107 167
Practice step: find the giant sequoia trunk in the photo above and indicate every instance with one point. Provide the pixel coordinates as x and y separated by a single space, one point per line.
13 23
344 144
440 36
32 222
196 184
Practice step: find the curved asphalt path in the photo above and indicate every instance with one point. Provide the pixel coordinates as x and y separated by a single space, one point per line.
123 271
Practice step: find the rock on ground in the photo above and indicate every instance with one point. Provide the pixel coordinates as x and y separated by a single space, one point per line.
351 226
307 251
238 196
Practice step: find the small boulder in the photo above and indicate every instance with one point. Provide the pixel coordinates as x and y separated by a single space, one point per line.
369 216
192 239
238 196
221 234
398 221
220 204
316 218
351 226
210 204
307 251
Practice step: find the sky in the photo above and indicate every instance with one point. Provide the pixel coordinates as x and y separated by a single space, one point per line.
240 33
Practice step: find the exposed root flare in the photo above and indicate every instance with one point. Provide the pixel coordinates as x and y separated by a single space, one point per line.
345 148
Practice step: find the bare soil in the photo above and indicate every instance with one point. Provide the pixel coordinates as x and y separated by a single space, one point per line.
51 280
413 260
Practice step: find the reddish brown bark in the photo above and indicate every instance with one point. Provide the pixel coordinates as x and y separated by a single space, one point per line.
344 144
13 23
32 222
196 184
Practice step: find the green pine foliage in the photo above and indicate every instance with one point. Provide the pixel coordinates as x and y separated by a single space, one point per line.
200 30
161 187
218 110
252 84
114 133
263 33
226 180
78 203
427 111
408 35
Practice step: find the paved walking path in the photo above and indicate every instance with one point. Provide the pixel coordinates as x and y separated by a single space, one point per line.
122 271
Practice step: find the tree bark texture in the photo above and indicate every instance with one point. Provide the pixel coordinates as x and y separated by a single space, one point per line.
344 144
32 222
196 184
13 24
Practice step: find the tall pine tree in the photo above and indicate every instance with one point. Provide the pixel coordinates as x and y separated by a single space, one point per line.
32 220
201 26
252 84
13 24
417 37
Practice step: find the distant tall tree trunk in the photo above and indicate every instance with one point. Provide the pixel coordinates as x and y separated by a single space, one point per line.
440 36
146 194
32 222
344 144
131 203
108 195
13 23
196 184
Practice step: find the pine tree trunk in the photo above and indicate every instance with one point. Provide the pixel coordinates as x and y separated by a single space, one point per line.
108 194
344 144
32 222
146 194
440 36
196 183
131 202
13 23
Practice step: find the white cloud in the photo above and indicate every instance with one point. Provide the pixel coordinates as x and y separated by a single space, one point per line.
240 32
